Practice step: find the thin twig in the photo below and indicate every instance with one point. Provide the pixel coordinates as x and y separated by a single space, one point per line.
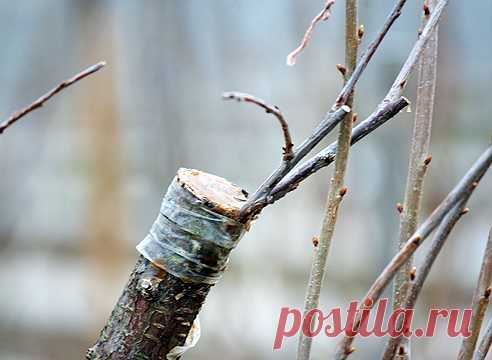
325 157
401 80
426 86
485 342
261 197
479 304
337 189
393 97
270 109
43 99
322 16
442 234
464 187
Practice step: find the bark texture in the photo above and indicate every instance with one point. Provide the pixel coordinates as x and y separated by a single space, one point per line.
154 315
184 254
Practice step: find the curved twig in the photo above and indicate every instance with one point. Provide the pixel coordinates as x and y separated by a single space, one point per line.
270 109
322 16
43 99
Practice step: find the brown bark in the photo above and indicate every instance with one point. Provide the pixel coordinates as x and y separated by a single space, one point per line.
184 254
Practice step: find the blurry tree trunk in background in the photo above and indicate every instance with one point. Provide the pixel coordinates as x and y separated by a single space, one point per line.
105 243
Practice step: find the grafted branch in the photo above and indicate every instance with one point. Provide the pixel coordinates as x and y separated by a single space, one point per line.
43 99
389 107
261 197
322 16
385 112
270 109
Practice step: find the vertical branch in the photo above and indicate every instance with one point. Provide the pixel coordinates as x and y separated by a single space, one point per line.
418 163
442 234
484 346
337 189
480 302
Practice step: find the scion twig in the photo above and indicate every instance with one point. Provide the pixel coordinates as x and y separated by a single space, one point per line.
261 197
479 303
464 187
43 99
385 110
270 109
426 86
322 16
337 189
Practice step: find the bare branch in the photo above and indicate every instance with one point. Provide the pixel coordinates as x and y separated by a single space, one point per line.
337 188
43 99
485 342
417 167
270 109
325 157
322 16
479 304
385 111
442 234
464 188
401 80
261 197
367 55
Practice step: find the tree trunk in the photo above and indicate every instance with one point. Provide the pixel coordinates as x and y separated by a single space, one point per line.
185 253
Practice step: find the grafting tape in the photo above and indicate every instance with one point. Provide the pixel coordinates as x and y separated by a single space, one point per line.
188 240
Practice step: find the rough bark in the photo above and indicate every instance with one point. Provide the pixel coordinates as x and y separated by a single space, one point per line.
184 254
154 315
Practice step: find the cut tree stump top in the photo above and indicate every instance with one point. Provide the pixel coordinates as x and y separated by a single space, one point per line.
217 193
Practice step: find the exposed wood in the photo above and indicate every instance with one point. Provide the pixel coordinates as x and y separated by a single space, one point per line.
155 317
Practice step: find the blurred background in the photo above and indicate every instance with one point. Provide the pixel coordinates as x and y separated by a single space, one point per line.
81 180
